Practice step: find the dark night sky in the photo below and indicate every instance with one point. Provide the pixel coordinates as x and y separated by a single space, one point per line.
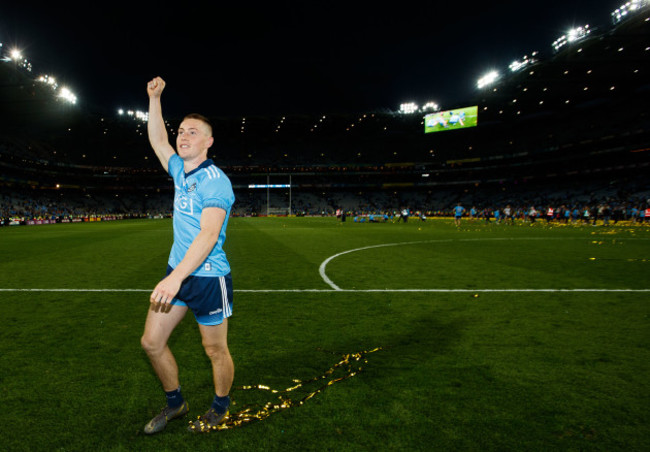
286 57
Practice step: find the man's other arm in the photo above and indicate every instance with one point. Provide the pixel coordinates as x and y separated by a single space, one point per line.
212 219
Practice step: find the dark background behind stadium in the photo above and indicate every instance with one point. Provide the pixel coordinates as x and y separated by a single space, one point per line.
571 128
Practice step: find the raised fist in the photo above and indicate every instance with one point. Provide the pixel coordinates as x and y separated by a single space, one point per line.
155 87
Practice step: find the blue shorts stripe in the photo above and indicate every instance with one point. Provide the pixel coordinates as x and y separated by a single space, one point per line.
224 295
209 298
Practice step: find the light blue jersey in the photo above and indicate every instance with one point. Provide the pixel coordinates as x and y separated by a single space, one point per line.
205 186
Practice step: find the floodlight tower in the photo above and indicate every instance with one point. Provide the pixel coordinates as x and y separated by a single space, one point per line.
629 8
67 95
15 55
408 108
573 35
488 79
430 106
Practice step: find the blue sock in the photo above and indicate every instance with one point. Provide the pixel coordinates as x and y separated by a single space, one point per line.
174 398
221 404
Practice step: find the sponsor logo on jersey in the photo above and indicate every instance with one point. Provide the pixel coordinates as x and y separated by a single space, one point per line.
184 204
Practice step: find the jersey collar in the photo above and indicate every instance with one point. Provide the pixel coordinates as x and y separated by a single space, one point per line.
205 164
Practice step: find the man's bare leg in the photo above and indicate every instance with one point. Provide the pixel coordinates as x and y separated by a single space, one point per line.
215 344
158 327
161 321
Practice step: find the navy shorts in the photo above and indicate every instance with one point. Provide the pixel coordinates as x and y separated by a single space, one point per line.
209 299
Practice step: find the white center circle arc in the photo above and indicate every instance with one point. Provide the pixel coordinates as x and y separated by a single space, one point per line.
334 286
323 265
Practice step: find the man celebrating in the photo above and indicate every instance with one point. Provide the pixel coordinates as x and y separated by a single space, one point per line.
198 272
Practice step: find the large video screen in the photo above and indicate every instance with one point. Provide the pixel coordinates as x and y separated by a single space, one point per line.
458 118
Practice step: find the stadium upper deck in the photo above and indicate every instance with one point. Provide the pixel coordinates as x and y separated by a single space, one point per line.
580 112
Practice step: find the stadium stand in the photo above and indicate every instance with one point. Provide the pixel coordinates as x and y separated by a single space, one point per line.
569 129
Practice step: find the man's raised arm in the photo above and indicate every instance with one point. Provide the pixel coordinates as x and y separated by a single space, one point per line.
156 125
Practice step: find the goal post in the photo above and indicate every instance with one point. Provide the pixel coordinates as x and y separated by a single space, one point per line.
268 186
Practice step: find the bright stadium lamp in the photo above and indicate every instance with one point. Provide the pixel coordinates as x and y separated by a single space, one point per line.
488 79
578 33
142 116
16 55
432 106
575 34
518 65
559 43
136 115
408 108
48 80
631 7
67 95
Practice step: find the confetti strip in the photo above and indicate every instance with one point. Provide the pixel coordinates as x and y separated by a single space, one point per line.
349 366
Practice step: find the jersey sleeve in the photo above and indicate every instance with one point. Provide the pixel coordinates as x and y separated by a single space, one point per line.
219 193
175 166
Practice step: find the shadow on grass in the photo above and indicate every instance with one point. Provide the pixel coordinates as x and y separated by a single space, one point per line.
377 359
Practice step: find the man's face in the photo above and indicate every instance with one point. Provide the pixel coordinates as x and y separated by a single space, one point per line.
193 139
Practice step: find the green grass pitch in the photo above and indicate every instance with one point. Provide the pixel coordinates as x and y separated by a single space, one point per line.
491 337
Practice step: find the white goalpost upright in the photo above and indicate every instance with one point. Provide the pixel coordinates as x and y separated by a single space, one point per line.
268 186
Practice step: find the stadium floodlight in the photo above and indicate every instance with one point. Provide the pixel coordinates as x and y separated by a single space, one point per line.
136 115
48 80
430 106
142 116
525 61
17 56
67 95
631 7
408 108
559 43
487 79
578 33
575 34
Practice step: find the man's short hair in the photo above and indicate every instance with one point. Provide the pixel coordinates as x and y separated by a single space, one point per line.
201 118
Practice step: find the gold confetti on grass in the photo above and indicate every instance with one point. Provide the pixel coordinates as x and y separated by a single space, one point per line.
347 367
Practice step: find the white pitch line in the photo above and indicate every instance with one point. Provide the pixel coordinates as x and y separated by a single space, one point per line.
346 290
331 283
334 286
323 265
76 290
